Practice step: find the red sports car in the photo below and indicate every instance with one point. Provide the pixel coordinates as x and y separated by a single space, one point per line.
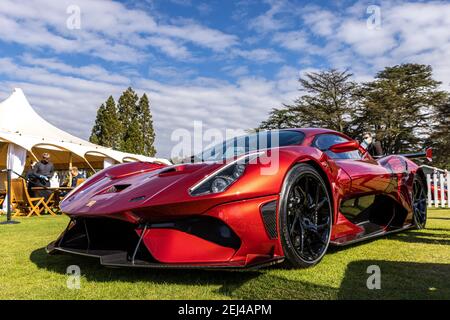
284 200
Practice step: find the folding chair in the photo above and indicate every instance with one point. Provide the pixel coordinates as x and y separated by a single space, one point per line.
49 204
2 199
21 200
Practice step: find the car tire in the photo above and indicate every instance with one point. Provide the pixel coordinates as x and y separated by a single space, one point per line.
301 215
419 202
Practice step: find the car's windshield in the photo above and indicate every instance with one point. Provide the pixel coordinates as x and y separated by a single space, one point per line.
253 142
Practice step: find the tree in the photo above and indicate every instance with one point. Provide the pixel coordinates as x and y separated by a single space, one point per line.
439 139
280 119
398 106
126 127
107 129
327 103
146 127
128 117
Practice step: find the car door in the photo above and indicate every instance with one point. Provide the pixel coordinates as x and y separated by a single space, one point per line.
367 176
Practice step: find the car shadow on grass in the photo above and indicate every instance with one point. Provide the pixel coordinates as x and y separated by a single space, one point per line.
410 236
399 280
422 237
93 271
246 284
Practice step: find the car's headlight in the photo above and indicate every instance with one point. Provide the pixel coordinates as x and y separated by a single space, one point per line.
221 179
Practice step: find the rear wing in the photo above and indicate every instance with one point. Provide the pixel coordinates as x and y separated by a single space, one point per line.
428 153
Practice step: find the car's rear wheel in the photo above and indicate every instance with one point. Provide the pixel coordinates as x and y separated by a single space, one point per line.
419 202
306 216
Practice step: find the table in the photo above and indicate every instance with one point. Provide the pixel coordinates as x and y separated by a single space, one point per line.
56 192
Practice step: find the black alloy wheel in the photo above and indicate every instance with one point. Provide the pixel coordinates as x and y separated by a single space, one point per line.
306 216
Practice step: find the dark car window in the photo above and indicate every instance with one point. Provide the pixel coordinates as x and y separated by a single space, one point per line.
248 143
325 141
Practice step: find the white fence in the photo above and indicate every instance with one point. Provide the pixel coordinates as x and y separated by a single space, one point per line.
438 188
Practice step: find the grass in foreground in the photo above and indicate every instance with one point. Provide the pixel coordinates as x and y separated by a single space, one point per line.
414 265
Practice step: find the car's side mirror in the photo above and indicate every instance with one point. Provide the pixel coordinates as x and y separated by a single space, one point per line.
345 146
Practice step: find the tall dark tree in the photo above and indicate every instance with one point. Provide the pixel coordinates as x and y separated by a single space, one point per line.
398 106
107 129
146 126
327 103
280 118
126 127
129 118
439 139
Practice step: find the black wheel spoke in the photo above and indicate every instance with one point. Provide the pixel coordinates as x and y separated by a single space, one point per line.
419 204
309 229
323 225
291 231
320 204
302 237
316 200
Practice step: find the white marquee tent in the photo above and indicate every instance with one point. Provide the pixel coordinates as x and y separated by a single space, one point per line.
24 136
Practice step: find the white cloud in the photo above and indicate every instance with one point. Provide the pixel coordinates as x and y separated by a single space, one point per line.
320 22
109 30
409 32
70 101
365 41
294 40
169 47
270 20
236 71
68 95
92 72
259 55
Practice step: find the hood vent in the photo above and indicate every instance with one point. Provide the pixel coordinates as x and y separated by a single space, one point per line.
117 188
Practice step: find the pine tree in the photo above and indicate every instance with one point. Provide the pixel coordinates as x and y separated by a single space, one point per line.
398 106
128 116
146 127
98 128
107 130
132 139
126 127
327 103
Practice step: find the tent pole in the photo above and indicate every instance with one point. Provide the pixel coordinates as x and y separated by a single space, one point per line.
34 156
89 164
8 200
70 168
8 194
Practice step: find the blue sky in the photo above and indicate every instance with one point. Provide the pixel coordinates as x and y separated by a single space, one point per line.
225 63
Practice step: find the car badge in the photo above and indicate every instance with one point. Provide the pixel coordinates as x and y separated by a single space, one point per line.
91 203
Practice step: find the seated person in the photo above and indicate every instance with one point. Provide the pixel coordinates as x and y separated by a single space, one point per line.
373 147
75 176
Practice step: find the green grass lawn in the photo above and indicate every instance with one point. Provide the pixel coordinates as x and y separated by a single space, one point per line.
414 264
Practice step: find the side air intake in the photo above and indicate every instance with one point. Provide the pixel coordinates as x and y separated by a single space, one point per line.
269 215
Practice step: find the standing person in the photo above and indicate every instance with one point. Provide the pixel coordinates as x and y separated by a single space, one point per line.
373 147
43 171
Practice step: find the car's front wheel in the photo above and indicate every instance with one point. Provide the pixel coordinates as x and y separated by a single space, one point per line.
305 216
